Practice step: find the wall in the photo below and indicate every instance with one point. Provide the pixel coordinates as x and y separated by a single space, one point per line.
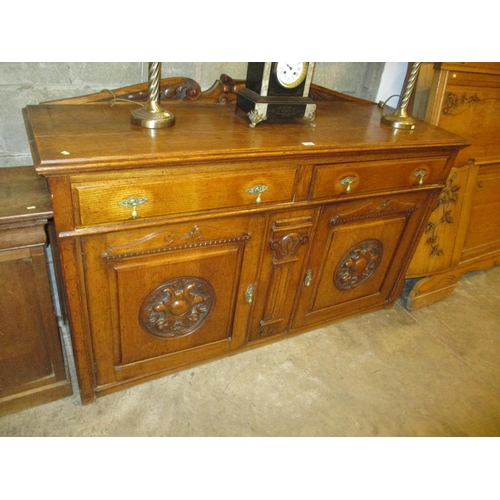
23 83
391 83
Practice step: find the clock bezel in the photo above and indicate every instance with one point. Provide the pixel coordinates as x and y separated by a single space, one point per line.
297 81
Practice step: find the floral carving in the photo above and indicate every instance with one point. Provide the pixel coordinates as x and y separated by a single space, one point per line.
358 264
177 308
454 105
448 196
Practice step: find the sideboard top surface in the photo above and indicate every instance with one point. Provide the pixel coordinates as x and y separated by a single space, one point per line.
96 137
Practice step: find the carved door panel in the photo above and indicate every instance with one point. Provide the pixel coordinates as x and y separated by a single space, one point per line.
357 257
162 297
287 239
441 244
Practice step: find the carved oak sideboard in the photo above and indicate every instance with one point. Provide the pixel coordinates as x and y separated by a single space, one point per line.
186 244
463 233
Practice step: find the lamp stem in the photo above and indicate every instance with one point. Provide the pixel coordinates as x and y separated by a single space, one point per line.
412 79
152 115
154 81
400 118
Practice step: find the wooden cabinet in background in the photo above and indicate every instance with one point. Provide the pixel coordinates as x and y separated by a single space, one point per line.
32 369
190 243
463 233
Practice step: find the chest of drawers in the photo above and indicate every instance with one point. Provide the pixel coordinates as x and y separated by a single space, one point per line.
190 243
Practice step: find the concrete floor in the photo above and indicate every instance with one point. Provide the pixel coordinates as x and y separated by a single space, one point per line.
431 372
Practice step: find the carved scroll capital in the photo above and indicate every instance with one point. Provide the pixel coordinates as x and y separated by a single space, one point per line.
286 247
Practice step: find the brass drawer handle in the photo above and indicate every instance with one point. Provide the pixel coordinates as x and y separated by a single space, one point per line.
347 181
420 175
308 278
249 294
132 203
258 190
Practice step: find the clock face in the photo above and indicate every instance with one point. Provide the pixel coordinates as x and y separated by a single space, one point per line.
291 74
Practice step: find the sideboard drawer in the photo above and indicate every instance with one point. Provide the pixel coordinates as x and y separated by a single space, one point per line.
338 179
120 200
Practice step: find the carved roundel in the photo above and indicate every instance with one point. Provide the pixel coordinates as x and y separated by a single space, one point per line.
358 264
177 307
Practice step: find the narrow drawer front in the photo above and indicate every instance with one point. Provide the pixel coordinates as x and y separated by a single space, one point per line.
351 179
114 200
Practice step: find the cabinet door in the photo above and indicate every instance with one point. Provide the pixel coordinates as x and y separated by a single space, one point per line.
163 297
286 244
360 249
31 360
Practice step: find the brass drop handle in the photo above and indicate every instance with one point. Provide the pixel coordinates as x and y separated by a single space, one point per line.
347 181
258 190
249 294
420 175
308 278
132 203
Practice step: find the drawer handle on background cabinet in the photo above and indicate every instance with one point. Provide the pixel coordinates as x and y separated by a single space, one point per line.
249 294
347 182
420 175
132 203
308 278
258 190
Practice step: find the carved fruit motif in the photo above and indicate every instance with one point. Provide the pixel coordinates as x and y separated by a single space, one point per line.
177 307
358 264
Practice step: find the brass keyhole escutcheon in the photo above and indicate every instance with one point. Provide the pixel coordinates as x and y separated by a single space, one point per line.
133 202
347 181
258 190
420 176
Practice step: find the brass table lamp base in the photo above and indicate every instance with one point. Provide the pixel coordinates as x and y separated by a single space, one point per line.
152 115
399 120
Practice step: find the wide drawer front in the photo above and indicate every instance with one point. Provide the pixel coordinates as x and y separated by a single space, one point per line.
337 179
117 200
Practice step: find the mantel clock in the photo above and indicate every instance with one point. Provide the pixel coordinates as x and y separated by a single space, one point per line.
278 91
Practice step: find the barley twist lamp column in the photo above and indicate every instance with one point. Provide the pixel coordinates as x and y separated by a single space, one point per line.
152 115
400 117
